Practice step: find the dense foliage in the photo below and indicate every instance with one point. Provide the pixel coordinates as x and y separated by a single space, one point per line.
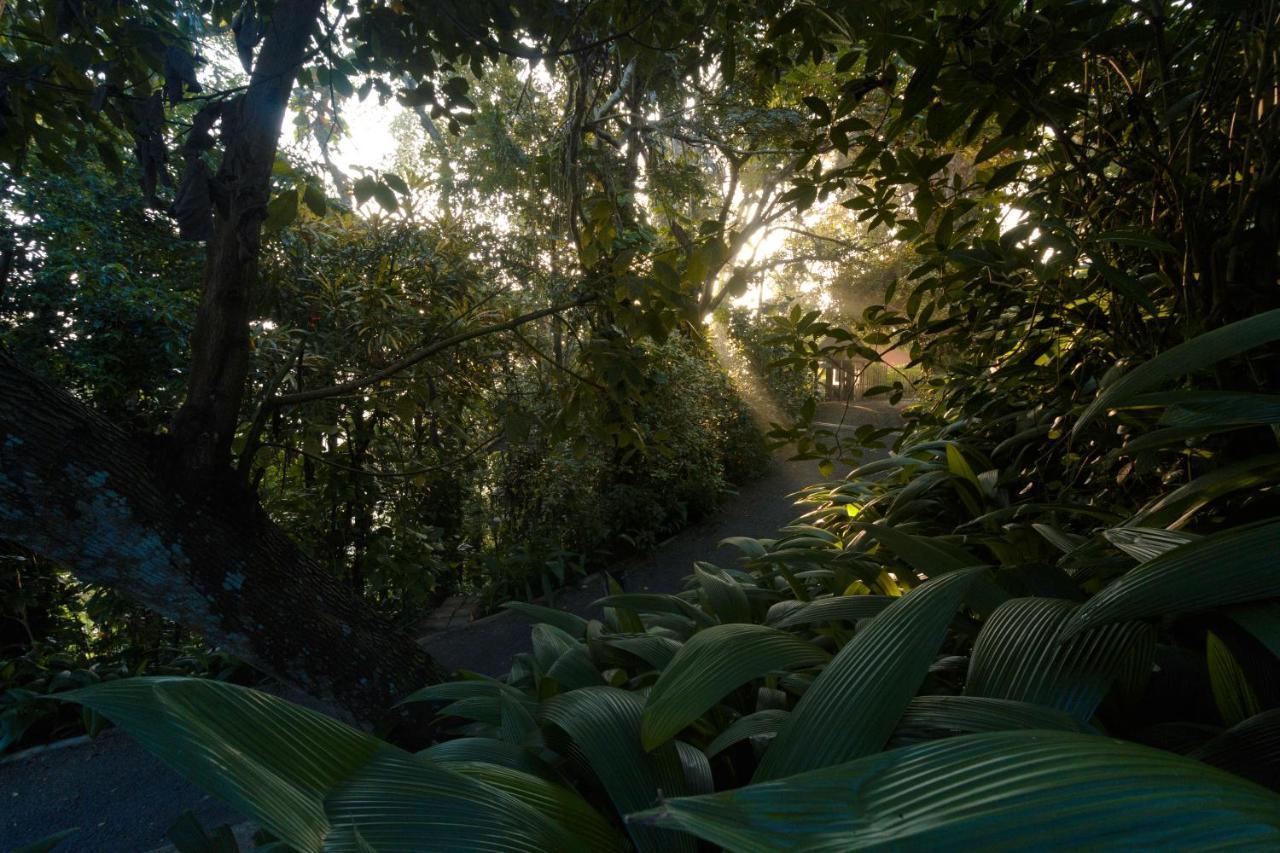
463 479
1043 611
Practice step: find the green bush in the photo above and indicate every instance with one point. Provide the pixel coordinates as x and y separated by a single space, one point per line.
861 680
554 496
764 347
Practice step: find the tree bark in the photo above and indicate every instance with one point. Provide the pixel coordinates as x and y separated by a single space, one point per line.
77 490
205 425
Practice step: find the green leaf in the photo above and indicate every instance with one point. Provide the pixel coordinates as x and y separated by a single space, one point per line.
281 210
592 831
399 803
1230 567
819 107
924 554
603 724
1007 790
385 197
712 664
1134 237
843 608
314 198
1250 749
486 749
877 672
477 688
572 624
723 595
932 557
1018 655
574 669
188 836
934 717
751 548
1234 697
395 182
563 657
363 189
621 618
758 724
516 724
960 467
1262 620
1186 408
1196 354
1147 543
270 759
1126 285
696 768
649 602
919 91
1178 506
306 777
655 650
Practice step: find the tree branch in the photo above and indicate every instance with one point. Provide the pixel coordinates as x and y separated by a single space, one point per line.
411 472
421 355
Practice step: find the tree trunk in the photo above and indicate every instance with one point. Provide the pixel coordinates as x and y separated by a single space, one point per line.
204 427
76 489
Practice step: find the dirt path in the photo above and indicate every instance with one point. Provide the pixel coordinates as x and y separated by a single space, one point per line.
758 510
124 800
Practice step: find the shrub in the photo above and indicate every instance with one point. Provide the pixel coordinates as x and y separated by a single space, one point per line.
862 680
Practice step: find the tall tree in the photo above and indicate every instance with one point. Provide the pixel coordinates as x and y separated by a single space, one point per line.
166 519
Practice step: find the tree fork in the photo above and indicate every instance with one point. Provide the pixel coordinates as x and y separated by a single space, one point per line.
74 488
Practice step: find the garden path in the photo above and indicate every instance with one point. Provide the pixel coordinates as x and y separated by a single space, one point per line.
123 799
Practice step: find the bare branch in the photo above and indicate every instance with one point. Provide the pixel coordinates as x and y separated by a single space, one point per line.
623 85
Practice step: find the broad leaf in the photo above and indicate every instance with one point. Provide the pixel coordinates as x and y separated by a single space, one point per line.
1230 567
758 724
648 602
488 750
924 554
1262 620
696 768
1198 353
1213 408
1232 692
547 798
721 594
603 725
1018 655
844 608
570 623
400 803
1147 543
652 649
712 664
310 779
1002 791
1250 749
853 705
934 717
1178 506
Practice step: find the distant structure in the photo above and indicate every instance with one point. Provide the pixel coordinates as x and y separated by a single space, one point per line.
849 378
